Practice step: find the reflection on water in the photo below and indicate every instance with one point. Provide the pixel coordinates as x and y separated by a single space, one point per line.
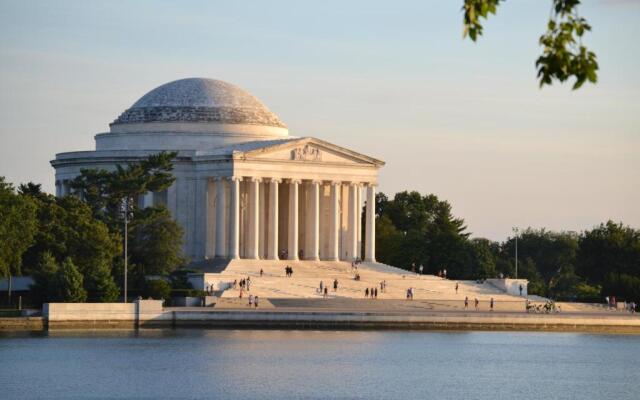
245 364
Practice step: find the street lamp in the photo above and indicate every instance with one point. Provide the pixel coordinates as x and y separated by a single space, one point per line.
516 230
126 209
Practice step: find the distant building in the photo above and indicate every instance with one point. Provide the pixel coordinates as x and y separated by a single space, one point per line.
244 187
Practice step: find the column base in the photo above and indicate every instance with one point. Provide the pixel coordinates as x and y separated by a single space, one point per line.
370 260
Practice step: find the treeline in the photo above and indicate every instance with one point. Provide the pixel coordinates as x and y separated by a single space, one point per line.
585 266
72 245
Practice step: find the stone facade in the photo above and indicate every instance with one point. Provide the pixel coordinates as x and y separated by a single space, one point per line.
244 188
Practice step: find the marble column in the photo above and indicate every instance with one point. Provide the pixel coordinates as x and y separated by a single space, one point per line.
221 218
359 226
234 218
334 223
354 214
58 189
315 221
272 240
254 218
293 219
370 213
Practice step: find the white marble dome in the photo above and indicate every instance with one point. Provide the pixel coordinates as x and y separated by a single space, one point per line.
199 100
192 114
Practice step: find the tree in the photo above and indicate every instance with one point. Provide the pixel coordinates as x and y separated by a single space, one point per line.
70 283
156 242
67 228
104 190
157 289
100 285
17 228
563 55
45 288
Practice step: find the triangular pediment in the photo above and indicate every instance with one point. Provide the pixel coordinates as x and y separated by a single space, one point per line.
309 150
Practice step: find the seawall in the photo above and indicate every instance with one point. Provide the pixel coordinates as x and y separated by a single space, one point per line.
151 314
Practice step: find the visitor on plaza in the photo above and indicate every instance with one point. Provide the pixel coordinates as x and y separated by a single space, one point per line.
491 305
466 302
255 301
477 304
456 287
335 285
326 292
421 269
366 292
250 300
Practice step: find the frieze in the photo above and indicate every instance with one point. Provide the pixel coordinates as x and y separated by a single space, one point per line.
306 153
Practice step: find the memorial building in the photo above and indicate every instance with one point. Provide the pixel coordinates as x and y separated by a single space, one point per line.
244 187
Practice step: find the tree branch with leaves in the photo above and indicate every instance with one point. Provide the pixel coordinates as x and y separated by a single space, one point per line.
563 55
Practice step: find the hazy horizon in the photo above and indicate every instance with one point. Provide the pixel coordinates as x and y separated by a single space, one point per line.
464 121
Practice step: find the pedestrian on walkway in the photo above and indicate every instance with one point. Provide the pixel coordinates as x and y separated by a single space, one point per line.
326 292
421 269
255 301
335 285
250 300
456 287
520 290
444 274
466 302
366 293
375 293
261 272
321 286
477 304
491 305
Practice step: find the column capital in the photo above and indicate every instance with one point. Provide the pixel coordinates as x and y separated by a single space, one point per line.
275 180
296 181
219 178
371 184
357 184
255 179
335 183
316 182
235 178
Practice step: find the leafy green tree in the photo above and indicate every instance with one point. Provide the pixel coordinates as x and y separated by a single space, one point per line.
609 248
17 228
155 242
45 288
67 228
104 190
70 283
100 284
563 55
157 289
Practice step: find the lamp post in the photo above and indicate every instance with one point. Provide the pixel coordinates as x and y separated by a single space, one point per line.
125 209
515 230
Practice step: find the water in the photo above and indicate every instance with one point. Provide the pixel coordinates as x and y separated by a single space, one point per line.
209 364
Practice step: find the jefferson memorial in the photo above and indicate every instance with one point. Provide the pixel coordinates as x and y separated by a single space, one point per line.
244 188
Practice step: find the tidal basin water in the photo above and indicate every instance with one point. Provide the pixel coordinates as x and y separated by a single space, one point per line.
214 364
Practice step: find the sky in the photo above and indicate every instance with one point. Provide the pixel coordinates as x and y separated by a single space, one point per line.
394 80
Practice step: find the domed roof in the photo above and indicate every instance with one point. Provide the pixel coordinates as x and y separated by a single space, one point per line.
199 100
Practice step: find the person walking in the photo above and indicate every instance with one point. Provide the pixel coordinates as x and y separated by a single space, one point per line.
250 300
326 292
491 305
466 302
520 290
421 268
477 304
255 301
335 285
375 293
321 286
261 272
444 273
456 287
366 292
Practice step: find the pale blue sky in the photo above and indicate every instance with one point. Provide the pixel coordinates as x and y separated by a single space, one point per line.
393 80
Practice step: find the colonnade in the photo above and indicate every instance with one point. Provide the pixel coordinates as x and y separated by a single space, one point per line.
247 222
